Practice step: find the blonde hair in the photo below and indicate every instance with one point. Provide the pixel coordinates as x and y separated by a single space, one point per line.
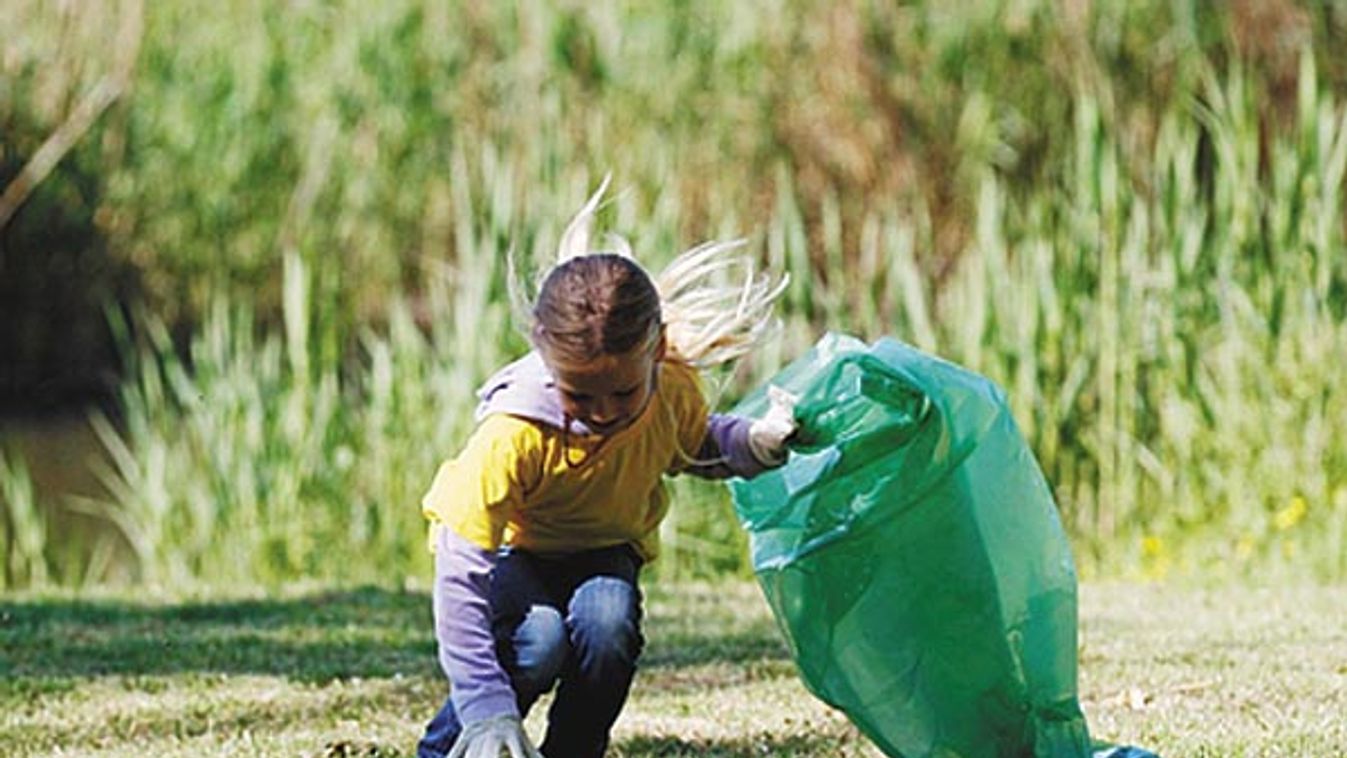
712 302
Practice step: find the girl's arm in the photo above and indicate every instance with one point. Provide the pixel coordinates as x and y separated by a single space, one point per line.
481 688
738 446
725 451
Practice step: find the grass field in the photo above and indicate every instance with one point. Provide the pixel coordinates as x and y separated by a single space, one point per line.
1183 671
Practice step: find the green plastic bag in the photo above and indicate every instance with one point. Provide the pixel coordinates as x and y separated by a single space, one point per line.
913 557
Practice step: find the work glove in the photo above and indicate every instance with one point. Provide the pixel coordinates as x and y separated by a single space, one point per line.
488 737
768 435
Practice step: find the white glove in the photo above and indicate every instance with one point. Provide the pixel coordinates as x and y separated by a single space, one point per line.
486 738
767 436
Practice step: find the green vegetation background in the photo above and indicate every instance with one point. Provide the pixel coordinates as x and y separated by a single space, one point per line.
1127 213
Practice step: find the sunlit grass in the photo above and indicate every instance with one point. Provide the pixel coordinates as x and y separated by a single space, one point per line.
305 672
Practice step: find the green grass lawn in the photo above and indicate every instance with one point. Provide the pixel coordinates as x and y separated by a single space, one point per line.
1186 672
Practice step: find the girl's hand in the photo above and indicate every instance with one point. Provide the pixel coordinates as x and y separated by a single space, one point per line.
767 436
486 738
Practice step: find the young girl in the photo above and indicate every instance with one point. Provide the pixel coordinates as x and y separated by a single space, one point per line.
543 521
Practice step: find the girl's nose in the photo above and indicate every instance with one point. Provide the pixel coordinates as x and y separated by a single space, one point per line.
604 411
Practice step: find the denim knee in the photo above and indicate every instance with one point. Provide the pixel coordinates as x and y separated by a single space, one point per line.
604 621
540 648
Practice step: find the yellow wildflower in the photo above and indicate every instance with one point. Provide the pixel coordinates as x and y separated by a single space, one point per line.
1154 557
1292 514
1152 546
1244 548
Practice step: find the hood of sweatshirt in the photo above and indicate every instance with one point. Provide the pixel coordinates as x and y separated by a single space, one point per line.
528 390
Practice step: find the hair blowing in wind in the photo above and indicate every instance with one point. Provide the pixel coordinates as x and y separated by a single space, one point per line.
714 304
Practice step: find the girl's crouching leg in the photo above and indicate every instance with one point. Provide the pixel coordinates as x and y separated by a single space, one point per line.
536 653
440 734
604 622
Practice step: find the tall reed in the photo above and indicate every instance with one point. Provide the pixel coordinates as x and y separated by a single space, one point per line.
23 527
1168 327
1146 251
259 460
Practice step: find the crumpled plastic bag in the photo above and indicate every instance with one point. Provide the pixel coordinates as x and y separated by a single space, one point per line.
912 554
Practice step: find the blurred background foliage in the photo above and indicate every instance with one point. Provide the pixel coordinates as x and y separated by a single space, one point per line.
270 252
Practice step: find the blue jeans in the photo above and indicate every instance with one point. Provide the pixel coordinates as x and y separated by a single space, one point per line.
573 619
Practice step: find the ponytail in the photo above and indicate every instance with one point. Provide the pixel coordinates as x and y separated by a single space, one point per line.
715 305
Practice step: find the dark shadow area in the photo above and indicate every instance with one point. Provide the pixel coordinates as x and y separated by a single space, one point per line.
59 358
751 746
360 749
57 278
365 632
53 650
674 651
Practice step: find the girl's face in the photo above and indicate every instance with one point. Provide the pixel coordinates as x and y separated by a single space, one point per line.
610 393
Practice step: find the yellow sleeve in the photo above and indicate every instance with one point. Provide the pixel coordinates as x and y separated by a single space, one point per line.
477 493
690 409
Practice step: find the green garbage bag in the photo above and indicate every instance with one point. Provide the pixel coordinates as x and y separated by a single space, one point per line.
914 560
